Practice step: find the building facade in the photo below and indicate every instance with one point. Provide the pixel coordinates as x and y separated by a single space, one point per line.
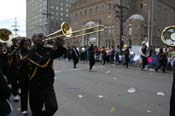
46 16
143 20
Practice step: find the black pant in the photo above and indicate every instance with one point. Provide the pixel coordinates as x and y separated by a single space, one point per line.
103 60
91 63
172 100
75 61
144 62
126 62
40 98
161 63
24 94
13 78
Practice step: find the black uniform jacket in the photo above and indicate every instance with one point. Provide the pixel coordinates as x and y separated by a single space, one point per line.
41 66
5 92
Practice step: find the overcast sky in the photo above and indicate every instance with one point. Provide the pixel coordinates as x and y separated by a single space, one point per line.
9 9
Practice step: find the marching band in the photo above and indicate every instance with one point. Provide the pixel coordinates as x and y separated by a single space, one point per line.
29 67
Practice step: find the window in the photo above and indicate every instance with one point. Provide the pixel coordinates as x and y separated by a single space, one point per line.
141 5
97 9
90 10
81 13
85 12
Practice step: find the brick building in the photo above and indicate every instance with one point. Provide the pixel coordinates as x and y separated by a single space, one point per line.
143 20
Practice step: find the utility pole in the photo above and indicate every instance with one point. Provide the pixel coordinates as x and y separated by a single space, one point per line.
121 25
15 27
47 14
119 13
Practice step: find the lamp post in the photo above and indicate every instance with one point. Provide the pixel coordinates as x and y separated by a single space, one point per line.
130 35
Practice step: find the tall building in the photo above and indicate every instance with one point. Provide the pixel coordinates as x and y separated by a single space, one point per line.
142 20
46 15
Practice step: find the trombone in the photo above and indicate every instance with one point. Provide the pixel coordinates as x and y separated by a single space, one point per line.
66 31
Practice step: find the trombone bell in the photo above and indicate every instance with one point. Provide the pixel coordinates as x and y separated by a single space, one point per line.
65 30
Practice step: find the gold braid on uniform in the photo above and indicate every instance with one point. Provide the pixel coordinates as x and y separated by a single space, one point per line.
36 68
20 56
39 65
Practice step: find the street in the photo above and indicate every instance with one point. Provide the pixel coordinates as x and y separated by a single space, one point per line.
109 90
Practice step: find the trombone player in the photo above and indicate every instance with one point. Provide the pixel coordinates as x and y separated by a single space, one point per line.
41 84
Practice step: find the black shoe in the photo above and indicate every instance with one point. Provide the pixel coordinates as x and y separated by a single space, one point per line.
24 113
156 70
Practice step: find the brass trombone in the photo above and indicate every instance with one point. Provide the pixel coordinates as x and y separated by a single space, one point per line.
87 31
66 31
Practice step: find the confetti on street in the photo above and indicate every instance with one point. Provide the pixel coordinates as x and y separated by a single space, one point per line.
100 96
160 94
131 90
113 109
107 72
148 111
114 78
80 96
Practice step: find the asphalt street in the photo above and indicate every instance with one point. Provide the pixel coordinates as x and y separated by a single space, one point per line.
109 90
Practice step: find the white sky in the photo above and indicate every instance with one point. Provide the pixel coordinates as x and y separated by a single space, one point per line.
9 9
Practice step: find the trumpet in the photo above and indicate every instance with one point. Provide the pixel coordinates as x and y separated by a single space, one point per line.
4 48
66 31
168 36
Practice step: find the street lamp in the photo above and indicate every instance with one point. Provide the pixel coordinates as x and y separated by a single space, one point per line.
130 34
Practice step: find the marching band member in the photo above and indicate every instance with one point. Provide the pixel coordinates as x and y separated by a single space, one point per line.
22 73
75 56
91 53
41 83
144 51
12 72
126 54
162 60
5 90
172 99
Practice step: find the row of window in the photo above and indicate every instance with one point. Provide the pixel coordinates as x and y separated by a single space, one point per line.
90 11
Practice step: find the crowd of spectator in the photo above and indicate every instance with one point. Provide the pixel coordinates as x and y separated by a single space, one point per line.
116 56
